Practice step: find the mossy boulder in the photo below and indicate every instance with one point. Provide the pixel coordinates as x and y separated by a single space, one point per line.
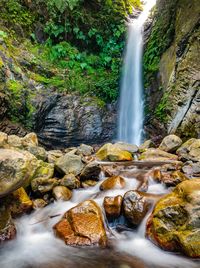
152 154
190 150
111 152
70 181
174 224
16 170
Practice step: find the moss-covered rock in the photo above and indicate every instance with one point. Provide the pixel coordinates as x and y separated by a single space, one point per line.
174 224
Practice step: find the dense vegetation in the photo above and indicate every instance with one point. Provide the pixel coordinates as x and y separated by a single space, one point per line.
84 38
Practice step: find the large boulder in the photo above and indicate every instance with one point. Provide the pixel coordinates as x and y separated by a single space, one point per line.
113 153
90 172
70 163
131 148
135 206
157 155
116 182
170 143
174 224
82 225
172 178
190 150
16 169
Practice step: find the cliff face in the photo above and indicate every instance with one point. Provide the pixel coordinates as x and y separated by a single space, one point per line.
173 95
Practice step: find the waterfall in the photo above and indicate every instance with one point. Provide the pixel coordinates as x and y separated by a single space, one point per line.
130 125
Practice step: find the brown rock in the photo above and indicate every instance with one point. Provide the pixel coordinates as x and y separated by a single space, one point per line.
39 203
135 206
170 143
82 226
112 206
90 172
172 178
112 183
88 183
62 193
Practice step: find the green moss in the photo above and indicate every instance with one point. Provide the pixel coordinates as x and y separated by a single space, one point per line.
162 107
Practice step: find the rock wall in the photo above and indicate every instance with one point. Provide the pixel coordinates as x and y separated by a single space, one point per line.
173 97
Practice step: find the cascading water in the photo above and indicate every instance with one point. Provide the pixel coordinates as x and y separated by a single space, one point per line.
131 101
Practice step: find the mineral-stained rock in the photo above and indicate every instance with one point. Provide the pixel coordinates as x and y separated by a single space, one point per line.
82 225
70 163
70 181
190 150
7 227
157 155
112 206
146 145
20 202
174 223
170 143
16 169
90 172
116 182
135 206
113 153
61 193
38 152
15 141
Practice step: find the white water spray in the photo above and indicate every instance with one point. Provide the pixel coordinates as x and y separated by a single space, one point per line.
131 101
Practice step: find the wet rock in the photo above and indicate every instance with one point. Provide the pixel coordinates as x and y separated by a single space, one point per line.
20 202
70 163
38 152
131 148
61 193
112 183
112 206
54 155
113 153
90 172
43 184
7 227
88 183
16 168
44 170
170 143
174 224
172 178
85 150
3 139
39 203
82 226
70 181
135 206
157 155
190 150
192 169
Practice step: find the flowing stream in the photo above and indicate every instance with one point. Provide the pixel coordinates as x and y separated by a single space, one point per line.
37 247
130 125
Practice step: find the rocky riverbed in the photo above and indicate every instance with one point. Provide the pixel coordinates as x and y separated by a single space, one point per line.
92 201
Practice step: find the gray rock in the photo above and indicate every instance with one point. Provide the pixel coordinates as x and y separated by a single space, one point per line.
70 163
90 172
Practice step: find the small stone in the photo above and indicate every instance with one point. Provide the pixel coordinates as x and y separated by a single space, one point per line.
53 156
170 143
113 183
43 185
85 150
38 152
30 140
135 206
39 203
112 206
90 172
61 193
70 181
20 202
88 183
